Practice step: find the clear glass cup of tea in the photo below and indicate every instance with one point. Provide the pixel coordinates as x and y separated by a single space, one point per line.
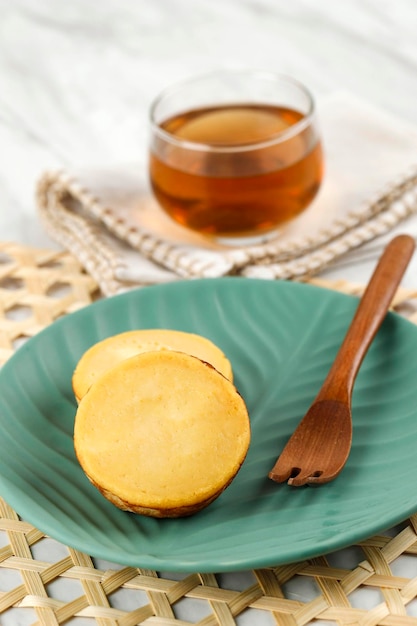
234 155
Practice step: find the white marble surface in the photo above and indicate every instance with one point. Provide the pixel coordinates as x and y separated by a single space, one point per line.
76 80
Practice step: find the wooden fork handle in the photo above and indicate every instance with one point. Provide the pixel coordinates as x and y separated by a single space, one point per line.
369 315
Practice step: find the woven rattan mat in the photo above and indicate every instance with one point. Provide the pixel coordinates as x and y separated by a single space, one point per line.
46 583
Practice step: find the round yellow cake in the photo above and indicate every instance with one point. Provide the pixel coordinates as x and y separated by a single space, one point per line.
162 433
103 355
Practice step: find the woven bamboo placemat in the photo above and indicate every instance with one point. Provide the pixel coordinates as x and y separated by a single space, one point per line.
46 583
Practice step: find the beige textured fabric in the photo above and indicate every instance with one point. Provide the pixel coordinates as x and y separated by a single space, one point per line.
110 222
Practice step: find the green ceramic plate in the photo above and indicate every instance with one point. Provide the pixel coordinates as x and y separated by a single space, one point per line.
281 339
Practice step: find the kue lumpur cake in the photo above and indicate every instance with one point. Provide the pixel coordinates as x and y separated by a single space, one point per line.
161 433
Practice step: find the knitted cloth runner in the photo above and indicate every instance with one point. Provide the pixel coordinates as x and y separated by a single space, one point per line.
108 219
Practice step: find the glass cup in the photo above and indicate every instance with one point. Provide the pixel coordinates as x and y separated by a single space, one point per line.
234 155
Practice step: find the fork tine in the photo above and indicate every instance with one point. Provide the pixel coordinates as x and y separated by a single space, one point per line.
283 469
282 472
304 477
295 476
279 475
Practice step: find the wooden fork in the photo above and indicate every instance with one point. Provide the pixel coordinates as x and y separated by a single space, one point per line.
320 446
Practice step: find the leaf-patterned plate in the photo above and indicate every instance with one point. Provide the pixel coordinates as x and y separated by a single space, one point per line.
281 339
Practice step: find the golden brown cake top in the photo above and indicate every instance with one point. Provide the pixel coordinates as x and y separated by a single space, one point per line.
106 353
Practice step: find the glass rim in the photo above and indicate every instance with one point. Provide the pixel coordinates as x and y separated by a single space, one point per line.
274 139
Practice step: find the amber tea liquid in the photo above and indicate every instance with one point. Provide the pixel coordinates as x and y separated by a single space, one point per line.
236 170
